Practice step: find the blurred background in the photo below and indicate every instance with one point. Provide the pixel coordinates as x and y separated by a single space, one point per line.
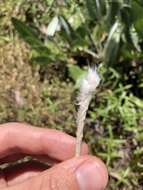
46 47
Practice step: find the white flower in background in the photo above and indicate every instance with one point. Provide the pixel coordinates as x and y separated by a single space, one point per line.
87 90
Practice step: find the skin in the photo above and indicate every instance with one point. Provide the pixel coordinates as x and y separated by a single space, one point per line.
52 147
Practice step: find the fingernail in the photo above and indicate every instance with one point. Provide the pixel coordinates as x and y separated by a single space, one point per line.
92 176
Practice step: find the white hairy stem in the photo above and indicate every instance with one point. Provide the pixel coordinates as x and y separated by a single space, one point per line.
81 116
87 89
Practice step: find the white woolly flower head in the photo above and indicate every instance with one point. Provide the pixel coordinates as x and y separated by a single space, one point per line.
87 89
90 82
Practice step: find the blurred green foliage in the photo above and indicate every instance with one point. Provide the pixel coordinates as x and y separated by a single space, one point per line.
64 38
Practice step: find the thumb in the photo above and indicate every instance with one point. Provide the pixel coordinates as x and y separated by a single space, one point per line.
80 173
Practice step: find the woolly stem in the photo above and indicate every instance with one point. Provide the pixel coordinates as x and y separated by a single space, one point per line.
81 116
87 89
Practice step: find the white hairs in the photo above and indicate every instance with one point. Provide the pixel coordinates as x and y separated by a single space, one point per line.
87 90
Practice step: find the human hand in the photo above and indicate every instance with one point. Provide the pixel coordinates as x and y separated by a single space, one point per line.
67 172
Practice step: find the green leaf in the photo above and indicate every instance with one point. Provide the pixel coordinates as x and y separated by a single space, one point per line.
53 26
91 7
137 102
135 38
130 32
113 9
76 73
139 27
29 36
44 60
137 12
96 9
113 43
69 32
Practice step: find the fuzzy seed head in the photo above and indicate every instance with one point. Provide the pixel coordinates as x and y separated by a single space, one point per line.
90 82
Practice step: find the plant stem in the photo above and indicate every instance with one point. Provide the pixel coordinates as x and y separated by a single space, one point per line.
81 116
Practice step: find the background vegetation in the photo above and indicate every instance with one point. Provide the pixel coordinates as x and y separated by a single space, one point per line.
46 47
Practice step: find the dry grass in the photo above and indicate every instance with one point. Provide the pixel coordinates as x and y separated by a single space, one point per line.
24 98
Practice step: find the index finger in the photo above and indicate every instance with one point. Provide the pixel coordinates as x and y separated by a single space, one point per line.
22 138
